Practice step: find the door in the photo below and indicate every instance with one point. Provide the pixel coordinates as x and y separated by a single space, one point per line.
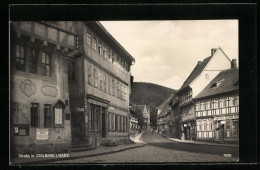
104 124
77 126
235 128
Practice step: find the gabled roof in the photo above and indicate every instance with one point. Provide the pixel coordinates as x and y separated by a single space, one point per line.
165 106
227 81
140 110
195 73
97 27
166 101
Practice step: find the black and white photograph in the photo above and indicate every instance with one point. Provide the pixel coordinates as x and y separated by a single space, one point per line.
124 91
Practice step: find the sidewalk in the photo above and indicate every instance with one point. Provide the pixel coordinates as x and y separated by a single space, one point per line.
101 150
138 138
201 143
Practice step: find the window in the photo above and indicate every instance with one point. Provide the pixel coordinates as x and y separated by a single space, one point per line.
89 74
46 64
118 90
99 48
71 71
105 82
33 61
100 80
91 118
113 87
111 121
205 124
47 115
94 43
19 58
109 85
95 78
109 54
34 115
104 52
88 37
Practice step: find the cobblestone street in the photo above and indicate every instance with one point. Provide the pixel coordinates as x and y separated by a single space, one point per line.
160 149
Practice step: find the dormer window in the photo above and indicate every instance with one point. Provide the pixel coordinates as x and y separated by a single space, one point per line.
216 84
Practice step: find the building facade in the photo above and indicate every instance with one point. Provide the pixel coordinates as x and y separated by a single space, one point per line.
143 113
39 92
99 87
176 117
217 108
134 127
203 73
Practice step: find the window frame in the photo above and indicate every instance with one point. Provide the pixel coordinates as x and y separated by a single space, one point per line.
18 65
49 107
33 60
35 114
44 65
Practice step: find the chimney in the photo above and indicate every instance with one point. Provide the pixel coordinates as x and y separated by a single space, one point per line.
213 50
199 62
234 63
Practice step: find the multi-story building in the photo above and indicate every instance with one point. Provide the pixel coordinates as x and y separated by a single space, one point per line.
144 116
176 117
39 92
134 127
218 105
100 86
164 116
200 77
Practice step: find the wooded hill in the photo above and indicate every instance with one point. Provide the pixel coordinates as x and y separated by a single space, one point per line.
150 94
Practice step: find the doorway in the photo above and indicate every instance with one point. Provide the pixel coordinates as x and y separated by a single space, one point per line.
77 126
104 124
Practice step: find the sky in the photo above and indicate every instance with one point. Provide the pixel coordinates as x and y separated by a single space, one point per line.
166 52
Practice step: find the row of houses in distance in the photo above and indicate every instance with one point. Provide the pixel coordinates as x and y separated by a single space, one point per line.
206 107
139 118
70 83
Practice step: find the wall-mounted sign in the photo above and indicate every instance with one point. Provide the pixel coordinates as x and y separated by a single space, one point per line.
80 109
21 129
42 134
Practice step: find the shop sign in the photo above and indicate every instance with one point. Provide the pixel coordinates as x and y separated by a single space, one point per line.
233 117
80 109
42 134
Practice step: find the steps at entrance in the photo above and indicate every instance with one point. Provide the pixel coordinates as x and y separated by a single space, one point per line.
81 146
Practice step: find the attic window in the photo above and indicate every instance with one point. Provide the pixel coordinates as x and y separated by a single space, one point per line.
216 84
236 83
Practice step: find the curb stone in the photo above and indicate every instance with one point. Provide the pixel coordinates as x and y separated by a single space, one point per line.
213 144
78 157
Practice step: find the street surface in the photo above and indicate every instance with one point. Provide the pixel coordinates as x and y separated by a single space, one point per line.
160 149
